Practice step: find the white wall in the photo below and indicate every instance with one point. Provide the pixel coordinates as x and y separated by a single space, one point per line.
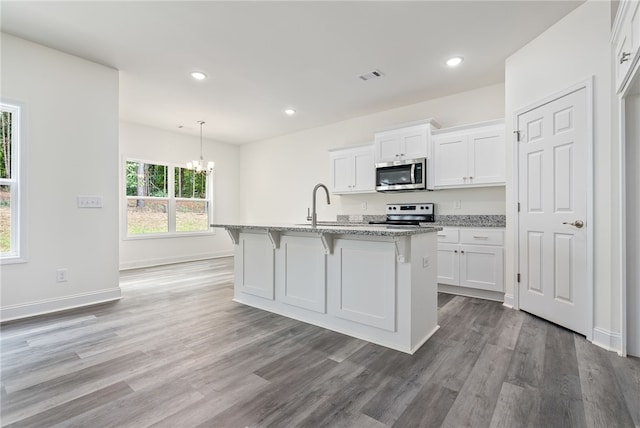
71 109
632 170
152 144
280 173
571 51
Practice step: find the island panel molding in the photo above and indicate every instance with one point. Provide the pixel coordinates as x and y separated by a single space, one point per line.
303 273
367 283
255 259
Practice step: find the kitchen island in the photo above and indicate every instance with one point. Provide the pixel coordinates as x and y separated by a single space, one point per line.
376 283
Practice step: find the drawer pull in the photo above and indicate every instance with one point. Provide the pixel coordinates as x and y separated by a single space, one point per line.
480 237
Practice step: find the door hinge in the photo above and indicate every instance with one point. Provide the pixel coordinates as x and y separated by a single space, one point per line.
518 277
518 206
517 135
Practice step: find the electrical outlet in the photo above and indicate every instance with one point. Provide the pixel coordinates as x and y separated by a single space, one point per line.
363 206
458 204
89 201
425 262
61 275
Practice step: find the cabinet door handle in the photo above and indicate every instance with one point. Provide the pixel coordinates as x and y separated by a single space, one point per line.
455 251
462 251
625 57
470 178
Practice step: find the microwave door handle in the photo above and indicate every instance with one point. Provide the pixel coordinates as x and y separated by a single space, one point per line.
413 173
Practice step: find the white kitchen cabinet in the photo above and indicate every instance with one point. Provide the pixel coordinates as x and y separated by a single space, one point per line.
472 258
469 156
410 141
626 41
352 170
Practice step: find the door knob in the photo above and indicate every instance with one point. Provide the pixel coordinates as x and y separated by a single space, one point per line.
577 223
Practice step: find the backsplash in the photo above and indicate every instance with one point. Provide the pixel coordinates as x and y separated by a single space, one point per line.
358 218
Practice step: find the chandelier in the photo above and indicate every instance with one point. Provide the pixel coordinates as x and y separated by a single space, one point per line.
199 165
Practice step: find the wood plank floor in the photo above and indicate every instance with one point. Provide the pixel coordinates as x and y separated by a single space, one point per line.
177 352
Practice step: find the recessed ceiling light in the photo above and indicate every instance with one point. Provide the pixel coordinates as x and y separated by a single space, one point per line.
455 61
198 75
289 112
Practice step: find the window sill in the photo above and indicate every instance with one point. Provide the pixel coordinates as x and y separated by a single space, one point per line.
11 260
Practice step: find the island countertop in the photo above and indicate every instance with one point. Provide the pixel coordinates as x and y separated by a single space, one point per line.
342 229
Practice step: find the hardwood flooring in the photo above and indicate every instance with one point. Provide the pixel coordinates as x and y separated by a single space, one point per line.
177 352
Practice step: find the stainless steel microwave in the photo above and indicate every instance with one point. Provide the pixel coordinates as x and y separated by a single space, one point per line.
403 175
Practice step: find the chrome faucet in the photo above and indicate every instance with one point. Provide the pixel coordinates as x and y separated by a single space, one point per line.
314 215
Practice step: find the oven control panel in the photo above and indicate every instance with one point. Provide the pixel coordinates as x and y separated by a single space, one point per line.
409 209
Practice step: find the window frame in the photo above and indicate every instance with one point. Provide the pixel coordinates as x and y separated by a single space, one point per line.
17 183
171 203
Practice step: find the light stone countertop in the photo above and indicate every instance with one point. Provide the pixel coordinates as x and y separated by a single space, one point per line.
334 228
472 221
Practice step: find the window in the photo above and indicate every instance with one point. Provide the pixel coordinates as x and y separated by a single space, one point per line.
165 199
9 182
192 204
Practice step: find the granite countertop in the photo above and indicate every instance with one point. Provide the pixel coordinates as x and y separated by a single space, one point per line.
336 228
478 221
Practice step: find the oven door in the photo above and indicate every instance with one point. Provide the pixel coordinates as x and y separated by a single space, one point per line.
401 175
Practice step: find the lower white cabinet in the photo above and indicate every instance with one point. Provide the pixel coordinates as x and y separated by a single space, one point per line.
472 258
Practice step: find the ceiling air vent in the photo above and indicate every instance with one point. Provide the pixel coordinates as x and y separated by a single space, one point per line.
375 74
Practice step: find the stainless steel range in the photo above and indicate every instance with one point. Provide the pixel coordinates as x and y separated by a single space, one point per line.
408 214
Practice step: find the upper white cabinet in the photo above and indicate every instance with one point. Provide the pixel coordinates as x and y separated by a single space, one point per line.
626 41
408 141
352 170
469 156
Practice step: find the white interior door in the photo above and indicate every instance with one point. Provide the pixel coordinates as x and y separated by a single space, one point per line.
553 177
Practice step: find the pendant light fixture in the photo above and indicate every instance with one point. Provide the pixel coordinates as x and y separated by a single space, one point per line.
199 165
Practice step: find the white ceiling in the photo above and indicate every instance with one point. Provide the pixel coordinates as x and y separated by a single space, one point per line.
262 57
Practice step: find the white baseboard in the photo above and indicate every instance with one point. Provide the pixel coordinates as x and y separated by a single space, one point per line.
136 264
508 301
41 307
471 292
608 340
